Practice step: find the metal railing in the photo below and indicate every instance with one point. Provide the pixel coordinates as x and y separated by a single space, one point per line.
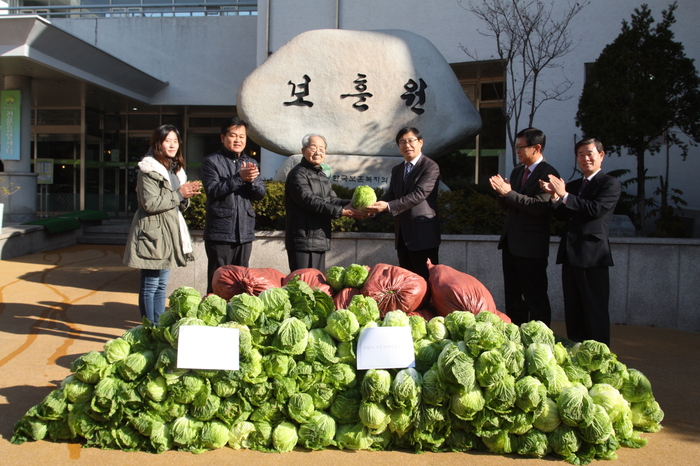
136 9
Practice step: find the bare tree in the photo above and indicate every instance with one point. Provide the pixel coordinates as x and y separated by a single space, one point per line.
529 39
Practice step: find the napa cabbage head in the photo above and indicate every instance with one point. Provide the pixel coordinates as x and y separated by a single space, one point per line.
490 367
116 350
356 275
647 415
91 367
536 331
593 355
365 309
284 437
184 301
418 329
363 196
483 336
457 322
212 310
321 347
215 434
291 337
239 433
276 303
437 330
611 399
530 394
455 367
406 389
300 406
637 387
374 416
245 309
548 419
376 385
346 406
342 325
575 406
318 432
335 276
396 318
467 402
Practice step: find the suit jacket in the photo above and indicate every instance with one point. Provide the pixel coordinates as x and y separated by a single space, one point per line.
585 241
528 213
414 206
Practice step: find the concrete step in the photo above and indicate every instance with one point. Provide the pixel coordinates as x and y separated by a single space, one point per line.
114 231
102 239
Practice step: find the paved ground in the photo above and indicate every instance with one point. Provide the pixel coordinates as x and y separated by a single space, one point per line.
58 305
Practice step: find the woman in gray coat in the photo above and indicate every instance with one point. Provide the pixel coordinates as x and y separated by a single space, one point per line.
159 238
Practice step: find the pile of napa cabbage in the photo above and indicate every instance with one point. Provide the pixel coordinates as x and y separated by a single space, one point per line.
478 384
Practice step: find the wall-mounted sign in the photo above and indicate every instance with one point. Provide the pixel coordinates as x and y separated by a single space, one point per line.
10 106
44 170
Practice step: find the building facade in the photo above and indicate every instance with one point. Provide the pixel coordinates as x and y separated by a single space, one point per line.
97 76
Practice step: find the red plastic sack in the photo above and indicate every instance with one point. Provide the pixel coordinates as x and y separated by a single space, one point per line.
313 277
395 288
232 280
425 312
453 290
343 297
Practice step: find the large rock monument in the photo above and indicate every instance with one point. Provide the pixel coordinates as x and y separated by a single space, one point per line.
357 88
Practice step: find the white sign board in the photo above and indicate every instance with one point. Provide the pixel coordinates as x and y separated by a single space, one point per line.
204 347
385 348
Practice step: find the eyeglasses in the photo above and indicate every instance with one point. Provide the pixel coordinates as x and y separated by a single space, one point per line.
406 142
315 149
517 148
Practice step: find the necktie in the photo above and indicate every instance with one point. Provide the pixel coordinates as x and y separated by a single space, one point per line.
583 186
525 175
407 171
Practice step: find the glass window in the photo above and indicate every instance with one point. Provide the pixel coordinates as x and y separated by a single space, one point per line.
478 159
143 121
492 91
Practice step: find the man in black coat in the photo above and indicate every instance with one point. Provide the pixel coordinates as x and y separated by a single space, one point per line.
587 205
231 180
412 200
525 236
311 204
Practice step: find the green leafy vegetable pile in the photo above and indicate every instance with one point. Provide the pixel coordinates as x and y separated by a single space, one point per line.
478 384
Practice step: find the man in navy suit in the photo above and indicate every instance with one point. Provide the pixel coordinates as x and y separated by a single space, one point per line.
525 235
412 200
587 205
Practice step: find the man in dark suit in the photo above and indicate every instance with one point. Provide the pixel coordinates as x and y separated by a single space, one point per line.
587 205
525 236
412 200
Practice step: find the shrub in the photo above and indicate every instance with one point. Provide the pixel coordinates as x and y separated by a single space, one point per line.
469 212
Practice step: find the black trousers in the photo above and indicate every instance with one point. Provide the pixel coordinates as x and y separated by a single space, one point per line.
525 287
586 297
416 261
220 253
306 260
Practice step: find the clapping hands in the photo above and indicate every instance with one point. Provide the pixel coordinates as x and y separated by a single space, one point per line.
191 188
249 171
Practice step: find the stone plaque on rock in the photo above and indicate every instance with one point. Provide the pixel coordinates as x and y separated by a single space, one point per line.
357 88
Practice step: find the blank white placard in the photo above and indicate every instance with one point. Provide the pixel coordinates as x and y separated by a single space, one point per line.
204 347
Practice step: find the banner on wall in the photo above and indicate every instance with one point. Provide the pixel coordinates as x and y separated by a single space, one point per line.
10 124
